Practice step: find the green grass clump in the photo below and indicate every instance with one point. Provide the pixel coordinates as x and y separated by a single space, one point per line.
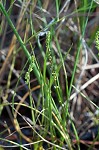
58 72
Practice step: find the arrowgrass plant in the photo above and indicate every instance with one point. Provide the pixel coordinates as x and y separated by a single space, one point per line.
50 120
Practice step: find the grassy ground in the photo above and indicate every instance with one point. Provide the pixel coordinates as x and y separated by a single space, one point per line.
49 74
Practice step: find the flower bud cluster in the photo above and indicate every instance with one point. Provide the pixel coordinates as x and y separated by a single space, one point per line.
30 69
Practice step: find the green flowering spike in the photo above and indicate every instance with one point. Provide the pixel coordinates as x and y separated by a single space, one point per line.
33 58
30 68
54 75
48 37
97 41
50 59
27 77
